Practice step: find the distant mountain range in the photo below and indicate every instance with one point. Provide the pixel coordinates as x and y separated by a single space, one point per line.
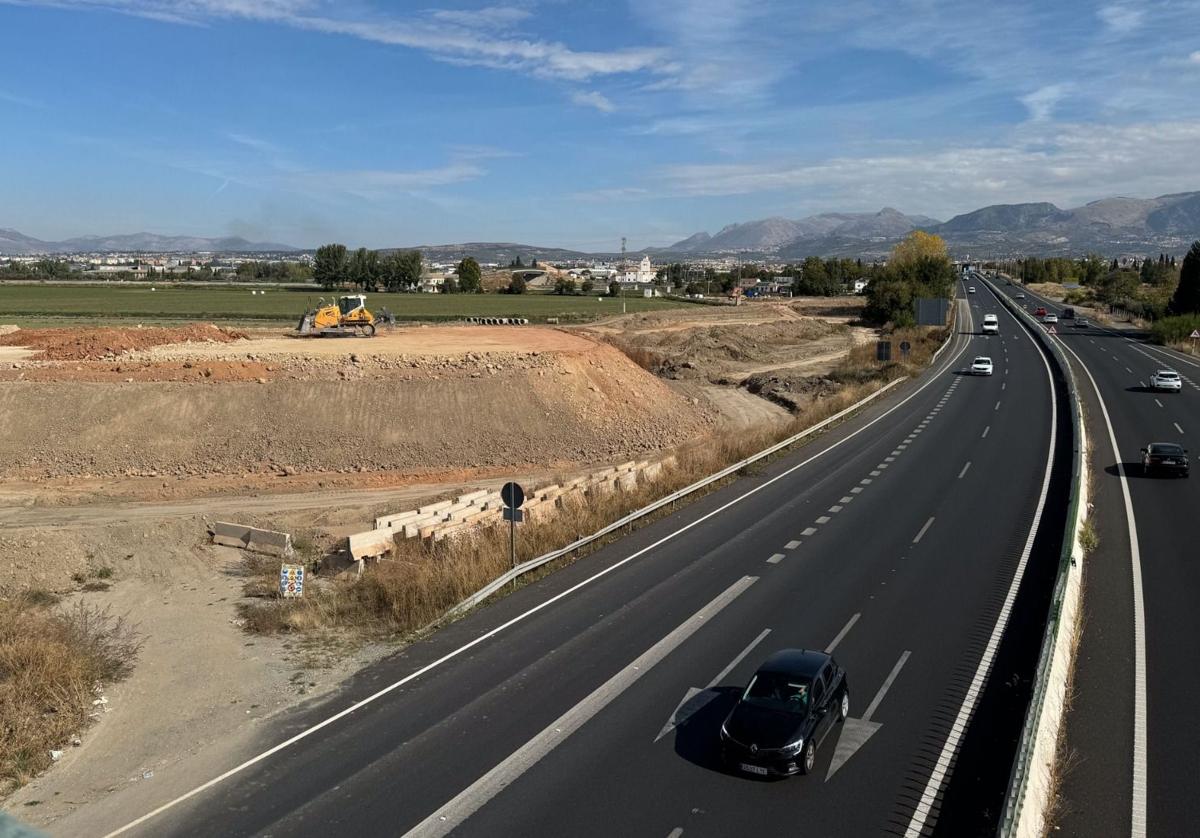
14 243
1111 226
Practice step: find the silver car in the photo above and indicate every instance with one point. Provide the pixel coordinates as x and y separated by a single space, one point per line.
1166 380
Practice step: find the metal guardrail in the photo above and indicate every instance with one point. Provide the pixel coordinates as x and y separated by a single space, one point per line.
1019 776
525 567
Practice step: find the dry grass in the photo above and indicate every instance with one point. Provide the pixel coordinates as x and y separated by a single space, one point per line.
52 663
424 579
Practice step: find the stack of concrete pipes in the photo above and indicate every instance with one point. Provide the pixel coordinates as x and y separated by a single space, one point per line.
498 321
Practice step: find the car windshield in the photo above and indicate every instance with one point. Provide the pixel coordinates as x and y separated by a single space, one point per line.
1167 448
779 691
982 361
1167 374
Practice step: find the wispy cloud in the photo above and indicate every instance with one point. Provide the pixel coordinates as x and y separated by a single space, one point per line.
255 143
1041 102
482 37
1066 163
1194 58
1121 18
618 193
593 99
23 101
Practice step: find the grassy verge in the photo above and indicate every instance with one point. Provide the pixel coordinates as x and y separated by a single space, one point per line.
52 662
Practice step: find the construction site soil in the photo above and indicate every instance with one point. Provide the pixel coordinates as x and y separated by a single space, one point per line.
416 401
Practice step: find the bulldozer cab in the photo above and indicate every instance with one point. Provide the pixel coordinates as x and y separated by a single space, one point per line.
347 305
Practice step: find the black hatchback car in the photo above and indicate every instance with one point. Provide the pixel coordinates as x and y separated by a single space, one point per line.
1165 457
788 708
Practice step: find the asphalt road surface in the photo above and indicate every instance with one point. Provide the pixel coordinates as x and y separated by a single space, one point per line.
1132 735
589 703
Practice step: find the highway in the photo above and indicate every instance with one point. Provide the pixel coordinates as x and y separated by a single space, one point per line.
589 702
1132 731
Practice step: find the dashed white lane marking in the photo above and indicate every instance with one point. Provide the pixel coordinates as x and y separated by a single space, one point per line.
1128 370
881 467
896 452
985 432
1003 385
792 545
824 519
807 531
856 490
1176 424
1157 402
846 499
915 432
775 559
447 817
866 481
835 508
924 529
889 459
676 832
841 634
875 472
997 407
964 471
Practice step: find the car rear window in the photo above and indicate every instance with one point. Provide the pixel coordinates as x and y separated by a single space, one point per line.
1168 448
1167 374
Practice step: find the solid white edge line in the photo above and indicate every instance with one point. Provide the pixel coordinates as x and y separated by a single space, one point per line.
1137 815
833 644
941 769
454 812
951 359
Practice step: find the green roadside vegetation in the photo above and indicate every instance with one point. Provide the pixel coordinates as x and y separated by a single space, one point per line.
28 305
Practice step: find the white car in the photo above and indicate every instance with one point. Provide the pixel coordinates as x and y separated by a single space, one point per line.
982 365
1050 318
991 324
1166 380
971 289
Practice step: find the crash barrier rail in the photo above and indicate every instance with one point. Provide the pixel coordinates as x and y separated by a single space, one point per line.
1017 818
525 567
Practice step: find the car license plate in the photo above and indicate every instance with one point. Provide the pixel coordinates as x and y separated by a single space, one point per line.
753 769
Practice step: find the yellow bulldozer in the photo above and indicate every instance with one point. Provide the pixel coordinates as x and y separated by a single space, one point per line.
347 316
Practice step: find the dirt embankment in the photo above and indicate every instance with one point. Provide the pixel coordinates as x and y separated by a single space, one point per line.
418 401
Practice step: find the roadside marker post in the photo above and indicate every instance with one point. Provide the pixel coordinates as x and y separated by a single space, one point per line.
291 581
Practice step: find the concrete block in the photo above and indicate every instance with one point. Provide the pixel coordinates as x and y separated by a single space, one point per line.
435 507
652 472
372 544
606 487
627 480
395 521
625 466
252 538
472 497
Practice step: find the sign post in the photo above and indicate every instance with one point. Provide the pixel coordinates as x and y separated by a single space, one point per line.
513 496
905 346
1195 337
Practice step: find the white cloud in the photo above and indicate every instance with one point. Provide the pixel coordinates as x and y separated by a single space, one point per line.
1121 19
618 193
593 99
479 38
1041 102
255 143
1194 58
1067 164
14 99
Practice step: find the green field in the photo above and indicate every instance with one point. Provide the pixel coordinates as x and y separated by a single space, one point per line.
29 305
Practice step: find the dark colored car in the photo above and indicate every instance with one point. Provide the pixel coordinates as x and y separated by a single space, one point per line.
1166 457
790 705
1068 314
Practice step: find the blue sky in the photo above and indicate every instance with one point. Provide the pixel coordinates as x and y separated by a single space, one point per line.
575 123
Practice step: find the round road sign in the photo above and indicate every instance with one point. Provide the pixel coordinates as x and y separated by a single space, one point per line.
905 346
513 495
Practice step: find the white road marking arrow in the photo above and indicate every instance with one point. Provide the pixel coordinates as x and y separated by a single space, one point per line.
856 732
695 700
